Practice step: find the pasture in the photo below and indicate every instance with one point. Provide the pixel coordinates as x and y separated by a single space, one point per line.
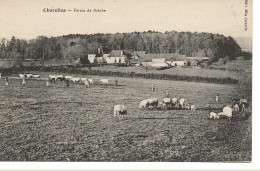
76 123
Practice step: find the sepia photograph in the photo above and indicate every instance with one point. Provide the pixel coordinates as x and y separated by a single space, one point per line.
126 81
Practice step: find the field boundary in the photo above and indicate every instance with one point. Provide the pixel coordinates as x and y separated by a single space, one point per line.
71 70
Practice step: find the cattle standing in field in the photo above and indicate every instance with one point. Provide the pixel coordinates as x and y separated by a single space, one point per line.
24 81
193 107
168 102
162 106
52 78
175 102
86 83
75 79
119 110
227 111
83 80
213 115
36 76
183 103
104 81
68 77
143 104
90 81
153 102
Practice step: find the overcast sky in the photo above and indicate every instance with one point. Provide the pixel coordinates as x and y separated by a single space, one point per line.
26 19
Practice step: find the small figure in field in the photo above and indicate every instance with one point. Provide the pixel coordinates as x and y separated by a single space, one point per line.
116 82
6 81
217 98
153 87
167 93
47 83
24 81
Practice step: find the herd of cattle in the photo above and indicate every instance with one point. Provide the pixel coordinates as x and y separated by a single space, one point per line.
65 78
166 103
175 103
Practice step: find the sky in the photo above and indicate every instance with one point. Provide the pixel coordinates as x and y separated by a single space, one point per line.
26 19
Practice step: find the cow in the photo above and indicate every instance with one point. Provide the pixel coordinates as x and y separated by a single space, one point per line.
86 82
83 80
75 79
213 115
22 76
60 77
152 102
168 102
119 110
35 76
227 112
52 78
68 77
162 106
175 102
143 104
90 81
183 103
104 81
193 107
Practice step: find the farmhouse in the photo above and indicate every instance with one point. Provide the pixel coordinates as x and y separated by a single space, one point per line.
92 58
194 61
116 56
172 59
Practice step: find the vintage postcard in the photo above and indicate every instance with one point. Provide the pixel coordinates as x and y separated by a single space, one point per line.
126 80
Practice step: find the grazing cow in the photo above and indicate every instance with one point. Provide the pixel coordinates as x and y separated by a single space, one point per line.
83 80
162 106
175 102
68 77
213 115
90 81
60 77
193 107
183 103
86 82
119 110
22 76
168 102
104 81
52 78
143 104
36 76
227 111
76 79
28 75
153 102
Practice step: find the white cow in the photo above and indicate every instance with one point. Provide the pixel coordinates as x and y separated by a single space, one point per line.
227 111
119 110
143 104
28 75
168 102
104 81
75 79
36 76
183 103
83 80
175 102
68 77
193 107
90 81
22 76
213 115
153 102
86 82
162 106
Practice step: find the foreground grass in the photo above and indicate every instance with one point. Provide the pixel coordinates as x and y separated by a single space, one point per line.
55 123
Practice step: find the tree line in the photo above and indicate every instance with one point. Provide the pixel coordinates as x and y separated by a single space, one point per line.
74 46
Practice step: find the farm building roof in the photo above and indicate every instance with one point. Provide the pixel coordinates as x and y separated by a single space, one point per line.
116 53
166 56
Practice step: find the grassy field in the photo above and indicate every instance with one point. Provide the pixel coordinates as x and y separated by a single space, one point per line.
40 123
